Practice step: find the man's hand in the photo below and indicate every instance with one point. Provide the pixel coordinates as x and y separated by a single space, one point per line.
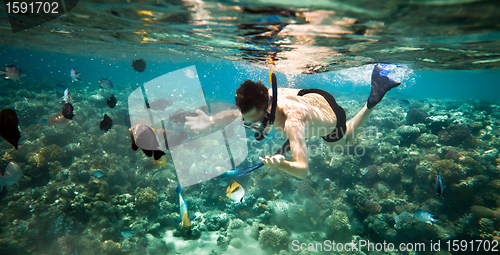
200 122
274 161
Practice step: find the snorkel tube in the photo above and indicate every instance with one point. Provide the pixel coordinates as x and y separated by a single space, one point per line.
270 120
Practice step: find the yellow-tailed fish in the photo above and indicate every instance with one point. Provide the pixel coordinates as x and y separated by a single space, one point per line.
236 192
185 221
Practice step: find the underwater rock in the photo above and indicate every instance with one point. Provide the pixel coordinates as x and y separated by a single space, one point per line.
73 150
236 224
476 126
487 226
382 189
378 226
450 171
390 172
274 238
457 135
111 248
215 220
54 153
256 228
37 160
427 140
223 242
408 133
415 116
108 141
104 189
372 206
154 228
146 200
157 247
484 212
236 243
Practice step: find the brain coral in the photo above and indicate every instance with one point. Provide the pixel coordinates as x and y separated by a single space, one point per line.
274 238
415 116
456 135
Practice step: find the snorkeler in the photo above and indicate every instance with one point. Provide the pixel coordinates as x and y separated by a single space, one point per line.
298 115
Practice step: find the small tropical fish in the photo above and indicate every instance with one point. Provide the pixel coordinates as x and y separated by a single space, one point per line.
228 173
75 76
159 104
67 111
185 220
439 184
404 102
59 121
8 127
106 123
11 176
189 73
105 84
424 216
152 164
235 192
12 72
66 97
97 174
222 183
278 184
313 220
111 101
178 116
139 65
144 137
54 168
73 148
127 233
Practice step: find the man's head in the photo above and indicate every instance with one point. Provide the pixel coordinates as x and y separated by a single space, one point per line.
250 95
253 101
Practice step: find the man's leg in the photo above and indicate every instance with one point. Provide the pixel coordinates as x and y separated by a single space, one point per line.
381 83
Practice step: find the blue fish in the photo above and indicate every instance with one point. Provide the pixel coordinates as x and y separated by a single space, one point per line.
424 216
185 220
13 72
439 184
404 102
105 84
97 174
11 176
127 233
75 76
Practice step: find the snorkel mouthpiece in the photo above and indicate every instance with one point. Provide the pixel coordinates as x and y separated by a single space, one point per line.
260 135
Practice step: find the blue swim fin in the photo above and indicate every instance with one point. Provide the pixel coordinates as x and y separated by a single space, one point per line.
381 83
